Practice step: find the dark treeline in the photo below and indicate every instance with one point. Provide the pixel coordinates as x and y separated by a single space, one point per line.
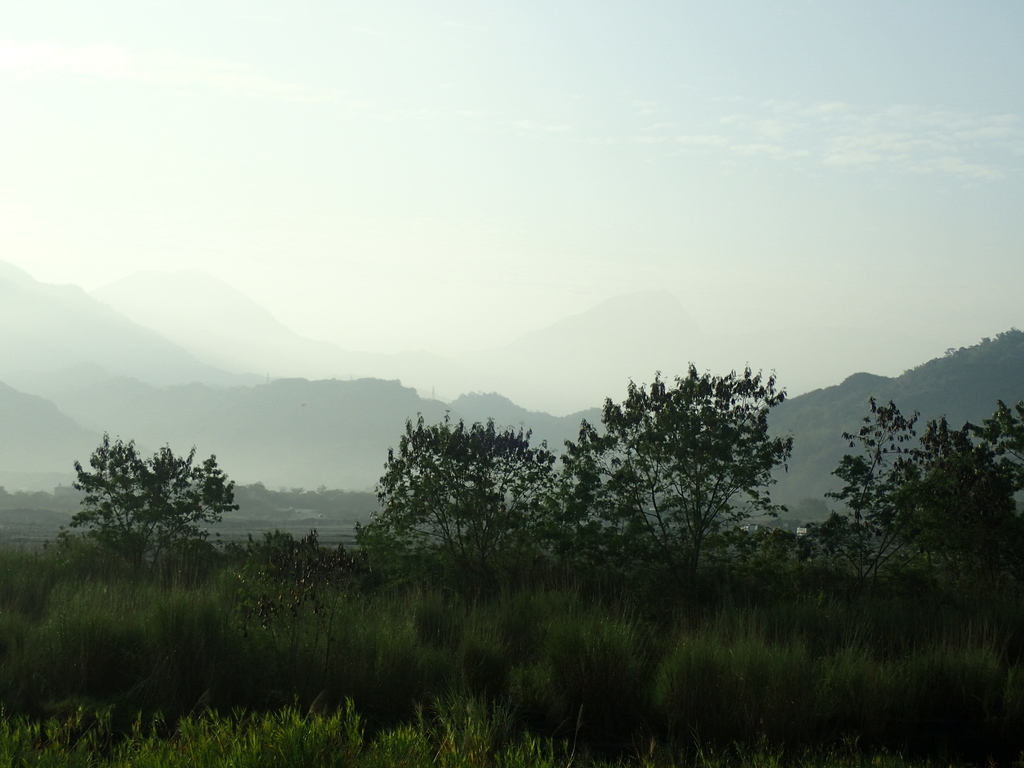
254 501
616 601
671 492
64 500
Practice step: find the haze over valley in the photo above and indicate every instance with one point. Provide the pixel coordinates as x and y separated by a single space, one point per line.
568 366
183 371
512 383
277 231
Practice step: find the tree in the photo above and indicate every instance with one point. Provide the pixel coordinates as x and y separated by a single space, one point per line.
283 581
963 499
877 526
1005 432
673 465
141 508
468 501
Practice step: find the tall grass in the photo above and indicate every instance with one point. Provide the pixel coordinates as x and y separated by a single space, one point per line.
591 672
592 676
467 738
737 691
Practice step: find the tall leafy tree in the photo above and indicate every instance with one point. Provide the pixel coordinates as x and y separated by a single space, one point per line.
875 527
141 508
467 501
672 465
963 500
1004 431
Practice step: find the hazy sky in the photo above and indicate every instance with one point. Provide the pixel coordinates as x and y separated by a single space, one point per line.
399 175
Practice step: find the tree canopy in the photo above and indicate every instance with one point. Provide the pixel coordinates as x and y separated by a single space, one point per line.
674 464
941 504
464 500
142 507
966 514
876 526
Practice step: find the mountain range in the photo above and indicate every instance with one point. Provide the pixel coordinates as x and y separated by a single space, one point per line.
73 367
46 328
963 385
567 366
564 366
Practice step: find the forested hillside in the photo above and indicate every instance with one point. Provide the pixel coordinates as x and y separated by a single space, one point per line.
964 385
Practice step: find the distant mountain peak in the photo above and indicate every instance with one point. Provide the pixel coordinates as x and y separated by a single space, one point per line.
16 275
584 358
863 379
46 328
154 296
659 305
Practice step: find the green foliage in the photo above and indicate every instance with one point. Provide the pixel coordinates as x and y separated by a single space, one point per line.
673 466
597 672
141 508
768 560
286 584
876 529
593 676
468 731
468 503
945 504
457 735
192 646
966 515
746 686
84 648
486 665
1005 432
439 621
281 575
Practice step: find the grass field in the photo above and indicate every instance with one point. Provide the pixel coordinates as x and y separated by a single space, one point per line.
132 666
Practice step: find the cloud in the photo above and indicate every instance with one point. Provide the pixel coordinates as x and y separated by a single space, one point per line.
972 146
897 139
703 140
774 150
106 62
852 158
775 129
529 125
960 167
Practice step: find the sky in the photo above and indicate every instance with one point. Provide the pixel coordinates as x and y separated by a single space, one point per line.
450 175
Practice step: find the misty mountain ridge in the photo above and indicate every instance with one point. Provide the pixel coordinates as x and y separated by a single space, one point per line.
569 365
301 433
963 385
561 366
290 432
38 443
223 327
13 275
47 328
591 355
102 372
